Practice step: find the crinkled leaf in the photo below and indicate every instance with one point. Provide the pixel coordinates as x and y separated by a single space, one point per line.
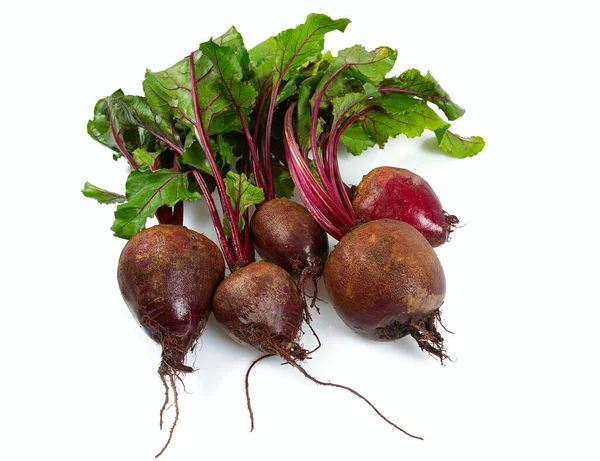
356 139
458 146
105 125
243 194
146 191
102 195
135 111
99 127
427 88
305 42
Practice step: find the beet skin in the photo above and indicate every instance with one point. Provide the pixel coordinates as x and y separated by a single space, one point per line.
396 193
285 233
385 281
167 275
260 306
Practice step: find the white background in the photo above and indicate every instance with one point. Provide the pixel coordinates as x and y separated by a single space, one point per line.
79 377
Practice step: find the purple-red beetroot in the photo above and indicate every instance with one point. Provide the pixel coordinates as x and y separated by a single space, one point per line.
396 193
405 279
260 306
167 275
285 233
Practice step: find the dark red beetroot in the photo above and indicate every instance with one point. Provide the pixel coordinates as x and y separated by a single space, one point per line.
405 279
167 275
396 193
285 233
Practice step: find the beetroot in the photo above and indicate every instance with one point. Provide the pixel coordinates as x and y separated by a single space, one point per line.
260 307
383 277
405 279
396 193
285 234
167 275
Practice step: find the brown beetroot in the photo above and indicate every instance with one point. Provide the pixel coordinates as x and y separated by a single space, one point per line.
260 306
405 280
167 275
396 193
285 233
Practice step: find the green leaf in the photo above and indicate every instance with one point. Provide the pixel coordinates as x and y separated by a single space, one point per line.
289 90
194 156
311 68
242 194
144 159
146 192
262 60
427 88
282 181
399 103
102 195
304 43
135 111
350 103
358 63
229 67
223 150
234 40
170 93
356 140
105 125
381 125
458 146
99 127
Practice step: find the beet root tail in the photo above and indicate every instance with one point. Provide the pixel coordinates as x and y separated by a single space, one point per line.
428 337
301 369
247 387
311 273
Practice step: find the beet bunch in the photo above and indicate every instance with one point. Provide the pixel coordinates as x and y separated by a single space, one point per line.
242 130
